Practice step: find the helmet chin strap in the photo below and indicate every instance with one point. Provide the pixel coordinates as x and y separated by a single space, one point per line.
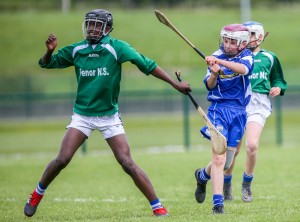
93 41
230 55
253 48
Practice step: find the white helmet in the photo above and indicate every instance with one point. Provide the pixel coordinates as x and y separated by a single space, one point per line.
236 31
258 29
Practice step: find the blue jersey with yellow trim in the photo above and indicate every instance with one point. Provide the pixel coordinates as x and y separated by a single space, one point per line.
232 89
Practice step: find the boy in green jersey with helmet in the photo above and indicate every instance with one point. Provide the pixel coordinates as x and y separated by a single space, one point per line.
98 61
267 80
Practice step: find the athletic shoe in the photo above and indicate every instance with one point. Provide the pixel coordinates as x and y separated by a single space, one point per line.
246 192
32 204
200 191
218 209
160 212
227 192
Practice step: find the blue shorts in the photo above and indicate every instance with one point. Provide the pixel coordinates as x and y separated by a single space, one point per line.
230 121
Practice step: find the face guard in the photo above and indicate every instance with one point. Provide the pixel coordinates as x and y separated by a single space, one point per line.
96 24
236 32
257 29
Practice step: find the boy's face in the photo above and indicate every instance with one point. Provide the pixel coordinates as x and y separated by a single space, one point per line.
253 41
230 45
94 29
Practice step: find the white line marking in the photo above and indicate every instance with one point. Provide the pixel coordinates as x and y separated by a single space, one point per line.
107 152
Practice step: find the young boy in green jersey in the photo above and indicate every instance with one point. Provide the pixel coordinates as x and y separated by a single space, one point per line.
267 80
98 61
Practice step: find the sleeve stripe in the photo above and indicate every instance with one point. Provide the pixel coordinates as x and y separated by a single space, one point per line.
77 48
111 50
270 57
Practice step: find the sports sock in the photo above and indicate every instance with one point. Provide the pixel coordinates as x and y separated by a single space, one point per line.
247 178
40 189
155 204
227 178
218 200
203 176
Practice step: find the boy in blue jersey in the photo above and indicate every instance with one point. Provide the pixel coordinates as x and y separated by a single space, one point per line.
267 80
229 91
97 61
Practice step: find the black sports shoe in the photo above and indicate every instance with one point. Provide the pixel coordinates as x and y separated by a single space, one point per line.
219 209
200 192
227 191
246 192
32 204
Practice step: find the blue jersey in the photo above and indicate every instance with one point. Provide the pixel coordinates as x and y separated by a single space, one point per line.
229 98
232 89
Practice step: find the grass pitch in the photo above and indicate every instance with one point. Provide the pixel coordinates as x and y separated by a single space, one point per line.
94 188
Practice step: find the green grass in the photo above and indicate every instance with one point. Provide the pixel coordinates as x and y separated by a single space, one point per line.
94 188
29 136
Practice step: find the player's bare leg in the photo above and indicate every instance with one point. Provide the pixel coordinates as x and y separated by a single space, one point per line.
217 179
72 140
121 150
253 134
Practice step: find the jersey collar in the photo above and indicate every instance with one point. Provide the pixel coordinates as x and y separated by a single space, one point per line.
104 39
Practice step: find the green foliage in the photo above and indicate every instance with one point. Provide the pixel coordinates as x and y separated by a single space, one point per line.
27 5
8 5
24 33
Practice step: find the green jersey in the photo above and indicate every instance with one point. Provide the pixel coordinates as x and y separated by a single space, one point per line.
98 71
267 73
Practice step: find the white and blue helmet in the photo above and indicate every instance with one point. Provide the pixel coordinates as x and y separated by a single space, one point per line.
256 28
